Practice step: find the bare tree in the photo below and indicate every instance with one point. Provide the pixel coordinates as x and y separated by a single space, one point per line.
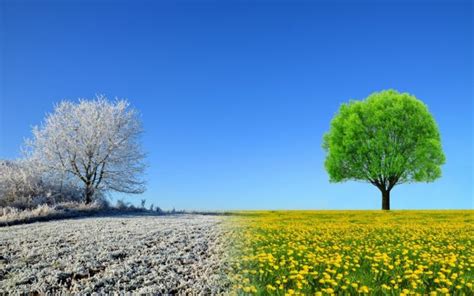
96 142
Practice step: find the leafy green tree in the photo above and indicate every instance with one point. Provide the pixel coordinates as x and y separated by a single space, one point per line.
387 139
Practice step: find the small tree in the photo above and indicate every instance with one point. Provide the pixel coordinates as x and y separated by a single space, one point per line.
389 138
96 142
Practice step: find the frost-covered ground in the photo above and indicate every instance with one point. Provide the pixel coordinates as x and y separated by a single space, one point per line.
182 254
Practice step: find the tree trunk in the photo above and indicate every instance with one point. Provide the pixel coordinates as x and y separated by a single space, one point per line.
385 200
89 191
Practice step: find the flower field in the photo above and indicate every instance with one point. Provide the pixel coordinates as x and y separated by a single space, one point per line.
354 252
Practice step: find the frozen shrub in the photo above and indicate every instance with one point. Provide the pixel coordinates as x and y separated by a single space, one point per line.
122 205
25 184
101 203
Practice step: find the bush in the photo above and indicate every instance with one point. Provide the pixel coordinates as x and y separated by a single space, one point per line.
122 205
45 212
25 185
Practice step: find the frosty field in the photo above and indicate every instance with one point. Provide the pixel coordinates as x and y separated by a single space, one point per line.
249 253
146 254
354 253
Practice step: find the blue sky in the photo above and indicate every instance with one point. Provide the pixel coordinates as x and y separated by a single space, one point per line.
235 96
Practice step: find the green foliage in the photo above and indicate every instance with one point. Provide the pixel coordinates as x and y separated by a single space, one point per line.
389 138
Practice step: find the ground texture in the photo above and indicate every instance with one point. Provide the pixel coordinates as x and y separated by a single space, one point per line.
183 254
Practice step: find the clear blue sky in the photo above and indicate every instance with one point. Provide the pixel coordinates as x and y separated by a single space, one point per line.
236 96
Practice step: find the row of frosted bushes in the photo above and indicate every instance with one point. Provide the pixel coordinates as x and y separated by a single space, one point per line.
46 212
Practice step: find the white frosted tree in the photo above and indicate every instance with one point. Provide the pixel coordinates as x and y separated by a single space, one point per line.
95 142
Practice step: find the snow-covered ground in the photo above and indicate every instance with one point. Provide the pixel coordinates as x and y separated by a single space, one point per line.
182 254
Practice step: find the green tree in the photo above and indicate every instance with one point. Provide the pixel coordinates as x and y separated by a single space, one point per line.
387 139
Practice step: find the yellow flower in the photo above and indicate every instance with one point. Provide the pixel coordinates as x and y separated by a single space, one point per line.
444 290
270 287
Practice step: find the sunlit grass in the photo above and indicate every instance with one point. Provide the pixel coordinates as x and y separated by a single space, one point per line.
354 252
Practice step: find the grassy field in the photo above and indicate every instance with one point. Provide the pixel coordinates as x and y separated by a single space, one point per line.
354 252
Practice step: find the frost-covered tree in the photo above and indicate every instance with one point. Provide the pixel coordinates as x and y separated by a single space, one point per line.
95 142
